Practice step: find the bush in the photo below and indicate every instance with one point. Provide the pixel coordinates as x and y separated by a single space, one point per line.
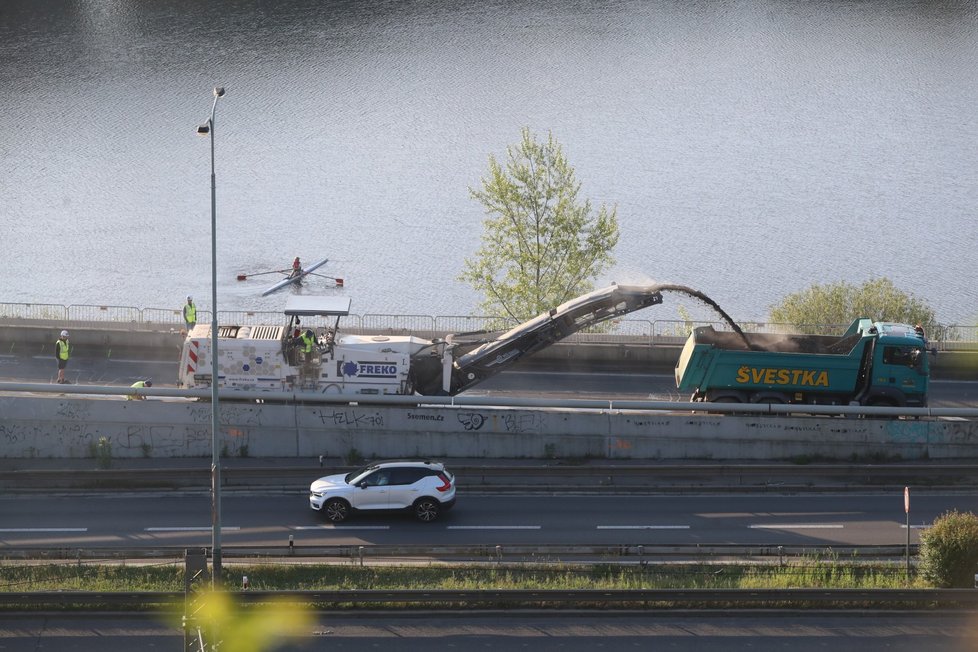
949 550
102 452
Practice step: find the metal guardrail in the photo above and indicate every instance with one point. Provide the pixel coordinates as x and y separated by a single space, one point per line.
42 311
124 314
463 400
659 331
406 323
630 598
509 554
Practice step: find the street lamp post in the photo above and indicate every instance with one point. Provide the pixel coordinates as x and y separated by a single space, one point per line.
204 130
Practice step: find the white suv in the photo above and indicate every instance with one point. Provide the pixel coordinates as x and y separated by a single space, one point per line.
424 488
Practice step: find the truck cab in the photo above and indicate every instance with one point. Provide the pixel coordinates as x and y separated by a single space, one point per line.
900 370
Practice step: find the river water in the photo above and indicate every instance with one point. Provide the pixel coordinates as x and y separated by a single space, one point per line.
752 147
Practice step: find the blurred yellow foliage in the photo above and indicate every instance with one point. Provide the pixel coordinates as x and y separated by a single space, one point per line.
251 629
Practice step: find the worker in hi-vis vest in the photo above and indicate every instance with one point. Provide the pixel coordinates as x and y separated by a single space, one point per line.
137 385
308 342
190 314
62 351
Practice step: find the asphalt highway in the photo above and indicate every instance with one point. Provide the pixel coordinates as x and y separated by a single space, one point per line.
522 382
165 519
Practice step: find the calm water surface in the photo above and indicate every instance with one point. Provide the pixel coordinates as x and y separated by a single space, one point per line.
752 147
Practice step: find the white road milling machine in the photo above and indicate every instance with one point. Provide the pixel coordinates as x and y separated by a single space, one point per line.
304 355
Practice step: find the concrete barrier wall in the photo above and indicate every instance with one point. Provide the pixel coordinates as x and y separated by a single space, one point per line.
59 427
96 340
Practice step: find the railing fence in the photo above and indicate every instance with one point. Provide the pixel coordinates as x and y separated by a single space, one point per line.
658 331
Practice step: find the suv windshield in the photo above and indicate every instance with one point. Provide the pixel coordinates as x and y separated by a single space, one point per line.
354 474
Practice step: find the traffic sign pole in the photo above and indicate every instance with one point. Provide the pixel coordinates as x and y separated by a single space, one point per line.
906 508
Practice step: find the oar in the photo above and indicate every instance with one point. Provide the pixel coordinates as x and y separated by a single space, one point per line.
338 281
244 277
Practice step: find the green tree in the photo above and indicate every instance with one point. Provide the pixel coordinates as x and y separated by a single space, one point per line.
949 550
541 245
840 303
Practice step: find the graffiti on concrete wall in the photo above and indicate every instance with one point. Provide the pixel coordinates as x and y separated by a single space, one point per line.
156 440
524 422
12 434
229 413
74 410
471 420
350 418
959 432
414 416
848 430
47 440
650 423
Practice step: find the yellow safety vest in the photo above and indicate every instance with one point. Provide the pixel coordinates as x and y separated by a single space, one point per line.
308 341
190 313
138 383
62 349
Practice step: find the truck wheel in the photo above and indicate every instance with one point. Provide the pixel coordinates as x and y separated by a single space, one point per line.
336 510
427 509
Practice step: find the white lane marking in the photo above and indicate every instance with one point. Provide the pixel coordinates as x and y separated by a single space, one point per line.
643 527
44 529
202 528
493 527
798 526
340 527
915 527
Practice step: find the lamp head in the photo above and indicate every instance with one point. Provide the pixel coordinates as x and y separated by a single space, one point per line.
204 129
218 91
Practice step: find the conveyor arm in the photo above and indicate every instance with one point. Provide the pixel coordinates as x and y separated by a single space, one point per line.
529 337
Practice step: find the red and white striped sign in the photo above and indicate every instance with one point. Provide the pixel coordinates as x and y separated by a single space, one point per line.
192 357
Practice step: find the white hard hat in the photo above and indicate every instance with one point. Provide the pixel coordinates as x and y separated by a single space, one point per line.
189 298
64 333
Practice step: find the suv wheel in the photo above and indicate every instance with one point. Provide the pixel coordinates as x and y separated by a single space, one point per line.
336 510
427 509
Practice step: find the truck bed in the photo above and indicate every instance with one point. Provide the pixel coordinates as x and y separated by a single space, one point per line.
822 344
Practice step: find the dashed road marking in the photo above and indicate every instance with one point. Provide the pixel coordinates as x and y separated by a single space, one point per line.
797 526
192 528
43 529
340 527
493 527
643 527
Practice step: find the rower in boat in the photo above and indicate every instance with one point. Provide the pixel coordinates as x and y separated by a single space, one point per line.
296 268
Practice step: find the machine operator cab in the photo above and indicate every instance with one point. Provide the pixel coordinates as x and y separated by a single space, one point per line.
305 343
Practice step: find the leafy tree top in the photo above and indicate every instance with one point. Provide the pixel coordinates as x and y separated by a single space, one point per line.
541 244
840 303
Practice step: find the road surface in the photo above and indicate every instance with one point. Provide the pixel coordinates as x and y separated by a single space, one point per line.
162 519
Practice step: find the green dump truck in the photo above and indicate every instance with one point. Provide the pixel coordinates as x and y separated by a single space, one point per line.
872 363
